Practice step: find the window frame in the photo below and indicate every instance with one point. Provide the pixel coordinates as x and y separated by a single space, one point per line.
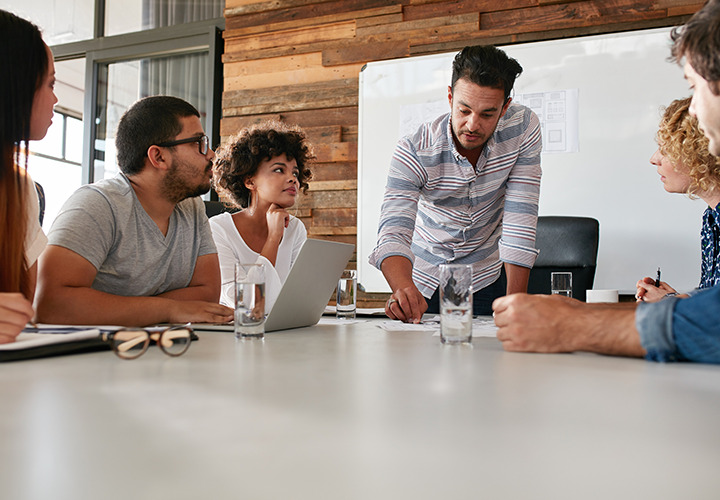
100 52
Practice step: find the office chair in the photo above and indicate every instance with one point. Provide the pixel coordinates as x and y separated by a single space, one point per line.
213 208
567 244
41 201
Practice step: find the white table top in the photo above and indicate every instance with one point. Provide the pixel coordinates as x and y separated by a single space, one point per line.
355 412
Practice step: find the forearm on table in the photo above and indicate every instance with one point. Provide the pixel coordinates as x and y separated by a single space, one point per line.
86 306
606 329
208 292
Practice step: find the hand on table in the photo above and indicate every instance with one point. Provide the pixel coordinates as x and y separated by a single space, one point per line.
648 292
15 312
196 311
406 304
534 323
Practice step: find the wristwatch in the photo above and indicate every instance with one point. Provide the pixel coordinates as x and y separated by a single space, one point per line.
671 294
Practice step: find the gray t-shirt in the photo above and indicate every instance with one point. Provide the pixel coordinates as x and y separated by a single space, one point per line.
106 224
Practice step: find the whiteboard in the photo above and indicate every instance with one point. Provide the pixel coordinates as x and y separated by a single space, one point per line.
623 81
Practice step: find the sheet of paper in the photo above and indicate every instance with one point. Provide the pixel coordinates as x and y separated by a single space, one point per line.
325 320
483 326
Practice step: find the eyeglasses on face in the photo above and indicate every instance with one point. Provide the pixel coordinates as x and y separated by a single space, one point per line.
131 343
202 141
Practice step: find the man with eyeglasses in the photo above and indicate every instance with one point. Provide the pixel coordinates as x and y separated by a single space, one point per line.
137 249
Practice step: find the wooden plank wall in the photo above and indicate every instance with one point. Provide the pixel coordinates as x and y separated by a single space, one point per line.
298 61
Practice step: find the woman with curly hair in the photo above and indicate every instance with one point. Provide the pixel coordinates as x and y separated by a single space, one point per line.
27 98
260 171
686 166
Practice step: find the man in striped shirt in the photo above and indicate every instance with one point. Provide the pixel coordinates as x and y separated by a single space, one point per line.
463 189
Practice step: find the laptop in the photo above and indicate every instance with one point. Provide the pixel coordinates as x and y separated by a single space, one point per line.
306 290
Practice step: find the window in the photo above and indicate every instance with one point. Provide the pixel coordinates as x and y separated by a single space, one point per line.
152 47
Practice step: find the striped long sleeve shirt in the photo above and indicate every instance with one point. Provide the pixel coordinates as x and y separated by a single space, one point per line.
438 208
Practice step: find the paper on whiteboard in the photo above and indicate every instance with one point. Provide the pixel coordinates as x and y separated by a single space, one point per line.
558 114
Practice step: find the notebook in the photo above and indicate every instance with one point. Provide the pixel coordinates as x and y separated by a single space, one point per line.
306 290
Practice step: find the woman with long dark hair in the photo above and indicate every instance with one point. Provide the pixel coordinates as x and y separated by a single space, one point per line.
27 78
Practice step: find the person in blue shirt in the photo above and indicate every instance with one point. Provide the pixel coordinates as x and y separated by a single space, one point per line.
686 166
673 329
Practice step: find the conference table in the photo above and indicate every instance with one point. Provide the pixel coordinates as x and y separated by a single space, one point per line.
352 411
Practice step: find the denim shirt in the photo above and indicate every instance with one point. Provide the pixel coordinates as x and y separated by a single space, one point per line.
676 329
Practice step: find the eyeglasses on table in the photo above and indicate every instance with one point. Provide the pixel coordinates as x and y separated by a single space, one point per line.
131 343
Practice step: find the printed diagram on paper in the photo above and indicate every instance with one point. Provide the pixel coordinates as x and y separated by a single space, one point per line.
558 114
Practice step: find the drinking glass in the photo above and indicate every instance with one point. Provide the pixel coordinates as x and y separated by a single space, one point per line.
249 300
346 295
561 284
455 303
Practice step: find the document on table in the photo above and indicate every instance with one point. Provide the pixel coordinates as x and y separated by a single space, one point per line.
50 340
483 326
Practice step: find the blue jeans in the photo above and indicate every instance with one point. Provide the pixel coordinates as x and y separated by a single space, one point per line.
482 299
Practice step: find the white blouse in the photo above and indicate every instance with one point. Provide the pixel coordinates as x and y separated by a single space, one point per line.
232 248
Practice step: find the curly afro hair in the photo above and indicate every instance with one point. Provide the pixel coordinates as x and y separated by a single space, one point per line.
239 159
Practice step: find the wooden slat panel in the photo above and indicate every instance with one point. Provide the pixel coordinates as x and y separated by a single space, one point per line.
327 32
328 199
679 4
312 74
330 102
272 65
448 43
439 9
423 24
342 151
334 171
331 133
238 54
310 118
684 9
288 98
337 185
314 231
243 7
468 30
375 20
367 16
335 218
311 11
366 52
578 14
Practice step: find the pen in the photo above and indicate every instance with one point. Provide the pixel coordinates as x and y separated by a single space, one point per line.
657 280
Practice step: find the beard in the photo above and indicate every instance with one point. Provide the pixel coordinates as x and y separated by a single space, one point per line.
176 186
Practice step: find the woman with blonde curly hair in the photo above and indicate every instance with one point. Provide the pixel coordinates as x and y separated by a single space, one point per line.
260 171
686 166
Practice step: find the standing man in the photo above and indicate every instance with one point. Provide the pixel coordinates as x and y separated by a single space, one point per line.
674 329
137 249
463 189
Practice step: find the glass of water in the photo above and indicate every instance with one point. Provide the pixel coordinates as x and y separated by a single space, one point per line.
561 284
249 301
346 295
455 303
